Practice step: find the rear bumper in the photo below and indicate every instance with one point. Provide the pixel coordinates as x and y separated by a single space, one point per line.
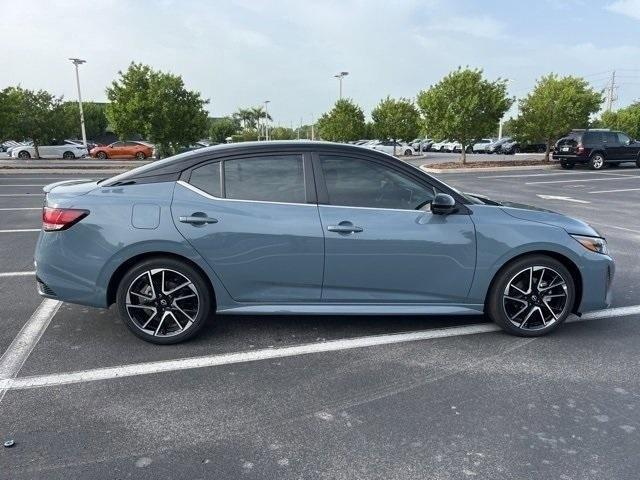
567 157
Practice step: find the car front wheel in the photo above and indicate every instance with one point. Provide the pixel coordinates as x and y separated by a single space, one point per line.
164 300
101 155
68 155
531 296
140 156
24 155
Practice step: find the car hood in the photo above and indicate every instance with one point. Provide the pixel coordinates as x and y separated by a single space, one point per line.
541 215
549 217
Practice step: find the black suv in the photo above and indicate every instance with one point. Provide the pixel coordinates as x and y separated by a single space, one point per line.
596 147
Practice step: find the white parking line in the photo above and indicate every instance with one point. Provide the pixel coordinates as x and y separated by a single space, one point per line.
16 274
19 208
21 194
13 359
616 227
521 175
21 185
625 177
147 368
619 190
21 230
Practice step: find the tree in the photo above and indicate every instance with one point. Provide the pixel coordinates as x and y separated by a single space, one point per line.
157 106
344 122
283 133
554 107
222 128
396 120
29 114
95 119
626 119
464 106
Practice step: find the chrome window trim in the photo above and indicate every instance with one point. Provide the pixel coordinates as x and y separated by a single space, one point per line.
377 208
211 197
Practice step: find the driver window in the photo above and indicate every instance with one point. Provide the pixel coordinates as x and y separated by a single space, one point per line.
623 139
360 183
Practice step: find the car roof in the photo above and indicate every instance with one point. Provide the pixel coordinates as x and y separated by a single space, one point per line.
183 161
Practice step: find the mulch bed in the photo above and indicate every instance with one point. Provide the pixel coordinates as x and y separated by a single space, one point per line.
505 163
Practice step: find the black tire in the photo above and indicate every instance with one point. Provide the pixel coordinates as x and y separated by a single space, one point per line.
180 269
140 156
102 155
596 161
567 165
516 150
24 155
407 152
638 162
68 155
496 307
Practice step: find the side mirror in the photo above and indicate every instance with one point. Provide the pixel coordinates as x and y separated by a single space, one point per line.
443 204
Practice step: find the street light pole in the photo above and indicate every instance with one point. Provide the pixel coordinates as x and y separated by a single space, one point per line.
77 62
266 119
340 76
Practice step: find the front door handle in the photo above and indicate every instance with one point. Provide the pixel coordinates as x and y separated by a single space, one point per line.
345 227
198 218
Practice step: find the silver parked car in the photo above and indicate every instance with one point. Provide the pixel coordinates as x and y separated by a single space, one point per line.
309 228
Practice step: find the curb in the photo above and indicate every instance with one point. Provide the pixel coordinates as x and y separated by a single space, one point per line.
425 168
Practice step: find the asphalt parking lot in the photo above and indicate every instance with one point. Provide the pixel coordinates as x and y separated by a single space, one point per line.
442 398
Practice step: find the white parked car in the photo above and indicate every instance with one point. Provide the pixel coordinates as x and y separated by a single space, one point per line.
439 146
401 148
61 150
482 144
452 147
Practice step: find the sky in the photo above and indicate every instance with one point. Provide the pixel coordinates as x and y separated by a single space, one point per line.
238 53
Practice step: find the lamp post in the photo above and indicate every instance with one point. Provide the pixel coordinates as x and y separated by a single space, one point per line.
340 76
77 62
266 119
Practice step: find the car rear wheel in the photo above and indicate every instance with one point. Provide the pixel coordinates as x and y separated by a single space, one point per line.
140 156
596 162
101 155
164 300
68 155
24 155
531 296
567 165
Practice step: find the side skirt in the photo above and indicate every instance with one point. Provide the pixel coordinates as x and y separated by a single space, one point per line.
354 309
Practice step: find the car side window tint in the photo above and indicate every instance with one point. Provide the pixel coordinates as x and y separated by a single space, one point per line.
611 138
278 178
355 182
623 139
207 178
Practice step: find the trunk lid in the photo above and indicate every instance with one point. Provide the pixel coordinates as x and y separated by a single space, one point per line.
55 192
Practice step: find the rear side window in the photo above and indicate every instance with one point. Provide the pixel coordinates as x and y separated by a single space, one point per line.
278 178
611 138
207 179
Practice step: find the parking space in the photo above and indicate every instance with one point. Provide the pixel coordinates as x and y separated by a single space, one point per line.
240 401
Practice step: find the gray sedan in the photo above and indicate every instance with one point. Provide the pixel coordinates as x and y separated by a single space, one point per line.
309 228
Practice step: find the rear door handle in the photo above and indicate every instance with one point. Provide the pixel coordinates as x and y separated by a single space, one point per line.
345 227
198 218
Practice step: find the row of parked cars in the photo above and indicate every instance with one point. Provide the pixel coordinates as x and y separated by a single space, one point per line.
505 145
70 149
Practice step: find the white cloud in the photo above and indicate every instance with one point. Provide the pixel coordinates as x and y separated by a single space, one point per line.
630 8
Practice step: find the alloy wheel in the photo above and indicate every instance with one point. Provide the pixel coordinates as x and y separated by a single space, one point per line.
535 298
597 161
162 302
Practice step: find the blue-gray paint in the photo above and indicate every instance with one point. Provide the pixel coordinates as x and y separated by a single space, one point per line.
280 258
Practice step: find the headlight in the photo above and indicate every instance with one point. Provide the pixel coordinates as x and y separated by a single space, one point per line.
595 244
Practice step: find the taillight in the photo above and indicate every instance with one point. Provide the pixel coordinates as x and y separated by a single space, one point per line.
579 149
56 219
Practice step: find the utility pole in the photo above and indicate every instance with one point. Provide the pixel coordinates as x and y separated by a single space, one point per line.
77 62
611 91
340 76
266 119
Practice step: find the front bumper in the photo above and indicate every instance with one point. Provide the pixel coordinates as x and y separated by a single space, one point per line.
597 278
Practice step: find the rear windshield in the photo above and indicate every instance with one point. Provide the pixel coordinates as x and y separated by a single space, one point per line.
571 139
